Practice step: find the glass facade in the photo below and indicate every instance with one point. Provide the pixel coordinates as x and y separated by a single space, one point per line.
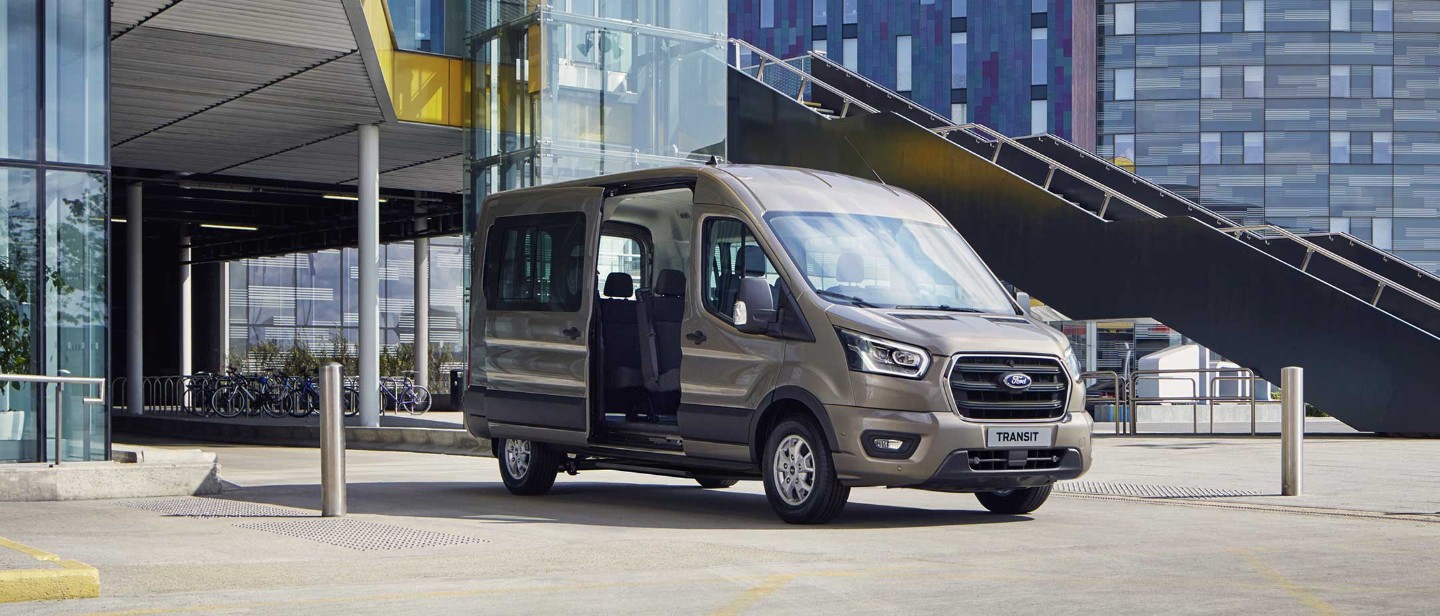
434 26
1310 114
308 302
1010 65
54 224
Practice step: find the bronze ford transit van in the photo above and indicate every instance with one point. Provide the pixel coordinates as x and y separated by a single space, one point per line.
815 331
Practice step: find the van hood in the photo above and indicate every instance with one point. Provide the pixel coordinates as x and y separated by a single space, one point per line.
947 333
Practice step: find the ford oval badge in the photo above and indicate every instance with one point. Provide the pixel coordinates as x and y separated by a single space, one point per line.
1015 381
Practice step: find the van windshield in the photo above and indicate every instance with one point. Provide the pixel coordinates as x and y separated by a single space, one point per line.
885 262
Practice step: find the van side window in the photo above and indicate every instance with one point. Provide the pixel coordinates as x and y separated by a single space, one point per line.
621 254
535 263
730 251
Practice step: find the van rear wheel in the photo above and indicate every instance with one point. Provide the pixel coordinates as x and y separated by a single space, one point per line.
799 474
528 468
1014 502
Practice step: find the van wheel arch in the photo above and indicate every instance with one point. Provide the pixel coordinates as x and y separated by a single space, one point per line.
783 402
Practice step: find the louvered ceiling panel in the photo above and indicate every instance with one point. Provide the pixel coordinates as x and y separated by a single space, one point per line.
149 88
402 147
124 14
445 175
319 24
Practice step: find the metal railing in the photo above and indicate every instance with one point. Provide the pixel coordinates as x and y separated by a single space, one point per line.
1259 232
805 78
1195 399
60 382
1121 411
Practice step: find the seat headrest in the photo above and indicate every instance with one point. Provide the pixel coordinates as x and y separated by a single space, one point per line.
750 261
619 285
849 268
670 283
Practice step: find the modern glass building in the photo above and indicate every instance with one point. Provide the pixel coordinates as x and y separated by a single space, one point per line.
1020 66
1317 115
54 204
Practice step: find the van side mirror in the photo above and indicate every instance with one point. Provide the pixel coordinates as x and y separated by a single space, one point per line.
754 306
1023 299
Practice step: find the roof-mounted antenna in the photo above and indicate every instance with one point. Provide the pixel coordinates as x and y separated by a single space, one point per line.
712 162
867 166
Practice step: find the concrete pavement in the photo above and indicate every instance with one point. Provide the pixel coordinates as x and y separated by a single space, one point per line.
436 533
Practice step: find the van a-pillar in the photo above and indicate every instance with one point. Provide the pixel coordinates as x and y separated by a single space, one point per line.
369 240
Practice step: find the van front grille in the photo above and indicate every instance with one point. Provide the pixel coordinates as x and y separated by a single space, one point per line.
1015 459
981 391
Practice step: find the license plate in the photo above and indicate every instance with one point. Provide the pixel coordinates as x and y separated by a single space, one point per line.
1019 438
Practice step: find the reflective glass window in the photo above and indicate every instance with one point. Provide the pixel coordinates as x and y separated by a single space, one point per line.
75 36
1339 225
1381 233
850 10
1125 148
728 243
959 8
18 254
1039 56
1039 117
1382 18
75 303
1384 82
1125 84
767 13
959 42
850 54
1380 148
1340 147
1254 148
1254 15
18 95
818 11
1209 82
1339 81
1209 148
535 263
819 45
959 114
1340 15
434 26
1039 6
902 64
1125 18
1254 82
1210 15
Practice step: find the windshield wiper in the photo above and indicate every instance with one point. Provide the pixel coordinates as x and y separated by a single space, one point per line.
849 298
941 307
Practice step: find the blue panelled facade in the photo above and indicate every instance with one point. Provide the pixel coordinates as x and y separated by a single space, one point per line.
54 208
1009 64
1317 115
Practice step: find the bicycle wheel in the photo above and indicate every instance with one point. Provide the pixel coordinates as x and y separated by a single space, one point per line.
419 400
230 403
193 400
350 402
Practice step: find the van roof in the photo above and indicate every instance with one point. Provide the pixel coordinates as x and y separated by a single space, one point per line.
767 188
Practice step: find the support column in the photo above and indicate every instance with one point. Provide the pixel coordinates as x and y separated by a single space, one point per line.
422 304
187 331
1092 346
224 346
134 300
369 244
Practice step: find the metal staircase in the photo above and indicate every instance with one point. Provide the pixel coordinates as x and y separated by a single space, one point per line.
1096 241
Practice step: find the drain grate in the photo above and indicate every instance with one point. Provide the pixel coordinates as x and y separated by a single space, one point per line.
360 535
1145 491
215 508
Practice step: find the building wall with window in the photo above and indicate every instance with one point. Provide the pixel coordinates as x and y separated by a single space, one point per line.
1020 66
54 208
1317 115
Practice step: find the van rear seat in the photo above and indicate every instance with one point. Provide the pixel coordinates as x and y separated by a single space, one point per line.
623 380
662 310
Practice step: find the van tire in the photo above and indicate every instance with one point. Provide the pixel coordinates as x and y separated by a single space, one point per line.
527 468
827 496
1014 502
710 483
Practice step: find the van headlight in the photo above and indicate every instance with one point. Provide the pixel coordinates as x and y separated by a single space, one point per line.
1072 363
880 356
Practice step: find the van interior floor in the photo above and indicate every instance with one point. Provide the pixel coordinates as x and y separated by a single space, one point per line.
662 434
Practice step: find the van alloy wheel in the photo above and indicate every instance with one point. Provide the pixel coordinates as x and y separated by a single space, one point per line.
794 469
517 457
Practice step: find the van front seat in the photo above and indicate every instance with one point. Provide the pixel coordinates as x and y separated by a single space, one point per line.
624 384
849 270
662 311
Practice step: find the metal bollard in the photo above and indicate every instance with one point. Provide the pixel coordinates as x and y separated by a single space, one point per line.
1292 429
332 443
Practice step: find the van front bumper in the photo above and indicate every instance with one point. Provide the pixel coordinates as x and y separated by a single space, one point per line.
945 444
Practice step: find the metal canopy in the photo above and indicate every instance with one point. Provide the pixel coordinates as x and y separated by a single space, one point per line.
267 89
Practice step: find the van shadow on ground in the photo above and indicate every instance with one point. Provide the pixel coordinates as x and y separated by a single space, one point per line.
602 504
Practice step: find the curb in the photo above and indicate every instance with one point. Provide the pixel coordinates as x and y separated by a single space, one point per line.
71 580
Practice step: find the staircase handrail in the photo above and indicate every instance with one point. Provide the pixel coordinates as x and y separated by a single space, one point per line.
766 59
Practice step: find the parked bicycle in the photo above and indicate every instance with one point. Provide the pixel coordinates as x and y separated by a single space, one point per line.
402 394
251 395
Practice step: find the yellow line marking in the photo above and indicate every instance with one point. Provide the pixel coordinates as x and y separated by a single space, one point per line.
1300 592
69 579
755 594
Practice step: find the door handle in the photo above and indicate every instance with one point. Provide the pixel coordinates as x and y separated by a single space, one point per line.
696 336
572 332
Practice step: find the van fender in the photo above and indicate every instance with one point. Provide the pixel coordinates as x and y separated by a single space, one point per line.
796 395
